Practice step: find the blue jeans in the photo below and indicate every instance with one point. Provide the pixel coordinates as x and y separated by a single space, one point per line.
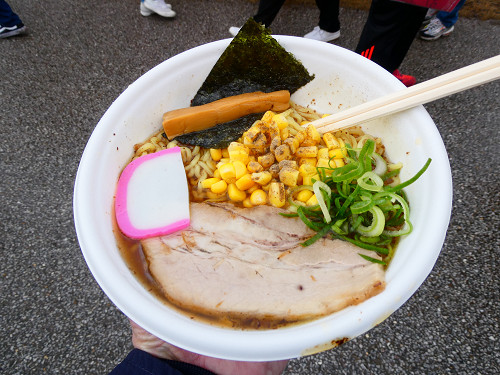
7 17
448 19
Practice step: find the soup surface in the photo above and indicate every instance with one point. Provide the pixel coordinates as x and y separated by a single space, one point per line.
278 162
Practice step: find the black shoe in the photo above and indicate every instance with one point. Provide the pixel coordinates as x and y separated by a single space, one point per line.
6 32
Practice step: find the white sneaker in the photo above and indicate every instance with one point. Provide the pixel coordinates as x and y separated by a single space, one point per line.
148 7
233 30
434 30
322 35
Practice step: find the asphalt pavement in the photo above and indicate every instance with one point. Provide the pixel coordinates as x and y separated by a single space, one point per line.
78 56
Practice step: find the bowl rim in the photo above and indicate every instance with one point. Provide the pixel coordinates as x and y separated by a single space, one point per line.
264 345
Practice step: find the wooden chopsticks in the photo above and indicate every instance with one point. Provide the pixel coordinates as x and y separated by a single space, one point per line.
450 83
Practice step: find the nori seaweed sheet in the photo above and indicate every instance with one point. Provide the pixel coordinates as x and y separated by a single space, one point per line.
253 61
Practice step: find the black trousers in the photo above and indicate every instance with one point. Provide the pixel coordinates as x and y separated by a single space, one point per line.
328 13
389 31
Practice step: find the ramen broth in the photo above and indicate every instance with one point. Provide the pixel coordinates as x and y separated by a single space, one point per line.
132 252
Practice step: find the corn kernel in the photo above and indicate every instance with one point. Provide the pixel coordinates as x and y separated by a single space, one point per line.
266 187
323 153
309 161
284 133
274 170
258 197
275 143
219 187
289 176
327 166
282 152
307 152
268 117
325 163
293 143
262 126
225 153
301 136
266 160
247 203
245 182
227 172
262 178
216 154
222 162
240 169
258 151
336 153
254 166
274 131
208 182
308 142
339 162
217 174
238 156
330 140
312 201
277 194
307 170
304 195
312 133
281 121
251 134
235 194
253 188
309 180
259 141
247 141
211 195
343 147
288 163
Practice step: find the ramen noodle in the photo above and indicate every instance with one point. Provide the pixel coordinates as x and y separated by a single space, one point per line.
200 165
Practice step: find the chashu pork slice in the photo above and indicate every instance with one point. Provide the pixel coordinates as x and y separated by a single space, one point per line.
248 263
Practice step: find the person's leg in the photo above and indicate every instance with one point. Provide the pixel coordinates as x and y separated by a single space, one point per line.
389 31
268 10
7 17
328 15
160 7
448 19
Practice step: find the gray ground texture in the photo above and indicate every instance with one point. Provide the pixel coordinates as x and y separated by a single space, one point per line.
57 82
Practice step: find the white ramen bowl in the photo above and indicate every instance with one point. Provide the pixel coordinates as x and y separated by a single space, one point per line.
343 79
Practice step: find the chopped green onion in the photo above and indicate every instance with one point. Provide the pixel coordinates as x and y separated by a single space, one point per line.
377 225
373 260
411 180
366 246
362 206
371 181
408 227
337 227
317 187
321 233
355 205
305 219
380 165
369 239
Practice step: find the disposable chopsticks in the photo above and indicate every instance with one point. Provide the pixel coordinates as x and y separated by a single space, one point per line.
458 80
